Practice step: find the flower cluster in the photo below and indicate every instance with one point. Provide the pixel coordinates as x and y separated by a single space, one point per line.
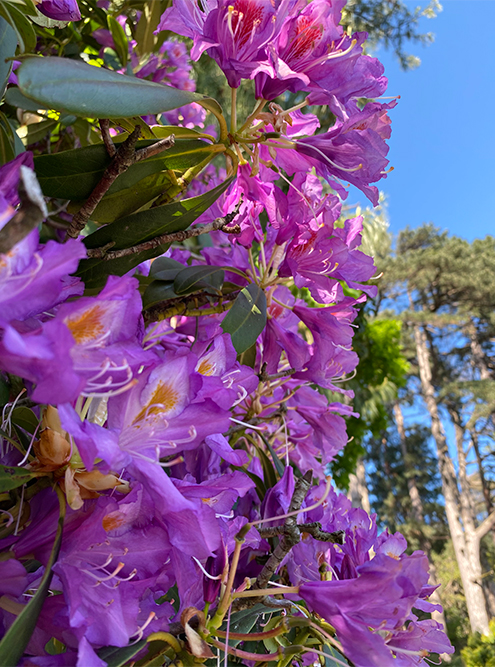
191 452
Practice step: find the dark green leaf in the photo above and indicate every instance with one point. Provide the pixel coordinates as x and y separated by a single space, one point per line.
117 657
276 461
157 292
244 621
128 124
194 277
8 45
89 91
19 634
74 174
165 268
25 418
15 98
140 227
261 488
11 477
119 39
7 151
21 25
333 653
38 131
247 317
269 473
126 201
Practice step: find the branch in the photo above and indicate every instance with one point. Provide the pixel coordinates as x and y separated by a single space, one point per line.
485 526
180 307
124 157
31 212
314 529
291 536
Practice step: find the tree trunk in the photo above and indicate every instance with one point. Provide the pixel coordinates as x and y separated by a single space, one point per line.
418 514
466 551
358 488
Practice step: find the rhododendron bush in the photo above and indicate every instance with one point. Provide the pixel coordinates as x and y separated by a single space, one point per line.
178 289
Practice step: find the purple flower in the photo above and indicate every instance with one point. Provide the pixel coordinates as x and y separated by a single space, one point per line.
353 150
33 281
60 10
233 32
9 182
379 599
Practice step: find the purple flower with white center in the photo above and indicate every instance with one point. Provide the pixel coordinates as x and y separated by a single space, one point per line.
60 10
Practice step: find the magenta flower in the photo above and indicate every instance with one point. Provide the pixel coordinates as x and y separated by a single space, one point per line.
9 182
235 33
60 10
354 150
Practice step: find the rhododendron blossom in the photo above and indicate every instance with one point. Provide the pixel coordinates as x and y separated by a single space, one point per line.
176 365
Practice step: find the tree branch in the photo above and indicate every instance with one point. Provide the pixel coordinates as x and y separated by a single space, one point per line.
291 536
180 307
124 157
485 526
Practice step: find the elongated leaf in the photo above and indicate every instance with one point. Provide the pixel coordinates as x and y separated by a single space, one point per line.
18 635
25 418
7 151
194 277
163 131
119 39
89 91
8 44
124 202
165 268
117 657
74 174
21 25
157 292
11 477
247 318
140 227
38 131
15 98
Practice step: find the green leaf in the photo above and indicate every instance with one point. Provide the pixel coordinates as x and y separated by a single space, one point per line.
157 292
18 635
150 17
140 227
333 653
128 124
38 131
269 476
126 201
74 174
279 465
8 45
118 657
11 477
25 418
7 151
21 25
195 277
163 131
89 91
15 98
119 39
244 621
247 317
165 268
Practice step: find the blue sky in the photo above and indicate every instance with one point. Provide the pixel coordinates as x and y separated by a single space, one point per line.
443 138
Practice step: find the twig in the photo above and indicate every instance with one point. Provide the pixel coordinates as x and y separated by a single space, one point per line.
313 529
174 237
32 211
291 537
125 156
105 135
264 377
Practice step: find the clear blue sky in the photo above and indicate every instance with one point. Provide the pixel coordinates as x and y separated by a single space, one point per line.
443 137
